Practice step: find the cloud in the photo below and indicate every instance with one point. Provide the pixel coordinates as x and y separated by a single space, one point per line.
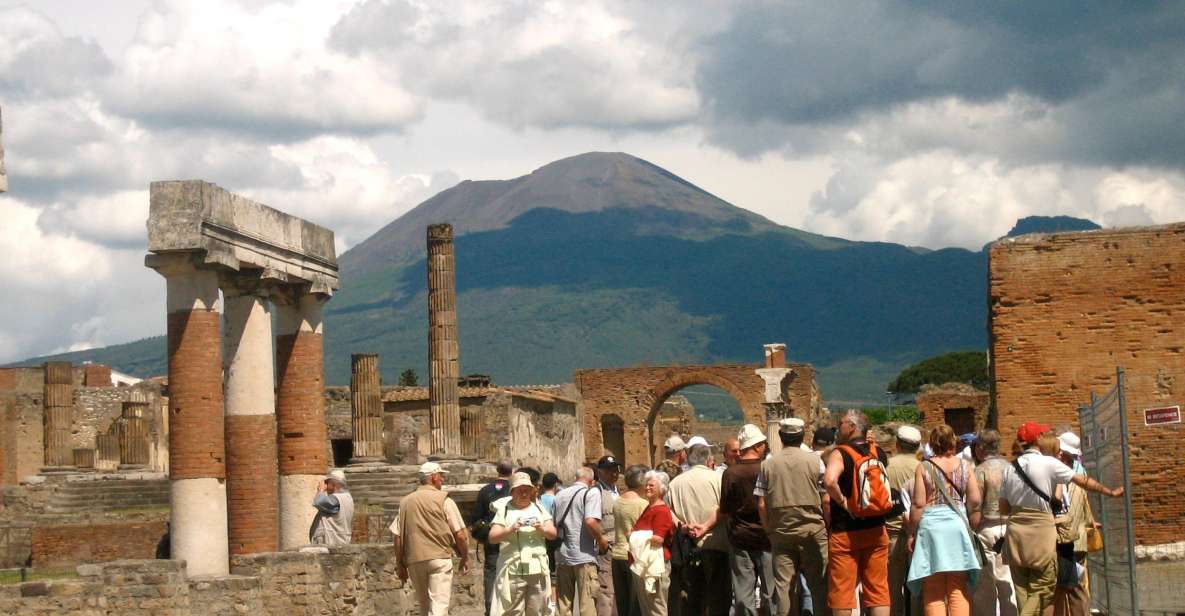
260 70
36 61
549 65
1097 85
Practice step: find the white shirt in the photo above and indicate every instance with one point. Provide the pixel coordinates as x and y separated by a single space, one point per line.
1046 473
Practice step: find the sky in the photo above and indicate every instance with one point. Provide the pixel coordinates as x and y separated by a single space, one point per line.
919 122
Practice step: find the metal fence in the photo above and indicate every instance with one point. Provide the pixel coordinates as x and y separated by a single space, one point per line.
1105 454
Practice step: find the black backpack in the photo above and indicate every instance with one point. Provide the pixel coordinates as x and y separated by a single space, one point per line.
481 528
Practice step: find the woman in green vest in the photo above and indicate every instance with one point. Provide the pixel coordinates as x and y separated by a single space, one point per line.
522 527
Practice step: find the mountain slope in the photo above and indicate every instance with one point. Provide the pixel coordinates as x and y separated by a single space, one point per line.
606 260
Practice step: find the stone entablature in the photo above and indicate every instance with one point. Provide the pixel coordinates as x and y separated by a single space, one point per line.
1065 310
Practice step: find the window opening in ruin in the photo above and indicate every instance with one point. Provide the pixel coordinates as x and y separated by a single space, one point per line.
613 436
698 410
343 450
961 421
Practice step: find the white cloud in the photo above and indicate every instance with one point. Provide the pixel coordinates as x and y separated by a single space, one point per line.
548 65
262 69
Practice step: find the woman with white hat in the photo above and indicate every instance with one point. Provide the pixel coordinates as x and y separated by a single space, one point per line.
521 526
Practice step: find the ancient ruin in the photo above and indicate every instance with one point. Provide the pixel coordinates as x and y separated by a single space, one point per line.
957 405
626 401
223 457
1065 310
443 346
366 403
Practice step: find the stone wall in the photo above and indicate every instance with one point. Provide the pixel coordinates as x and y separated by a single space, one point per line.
934 402
354 580
72 544
533 431
1066 310
23 434
636 394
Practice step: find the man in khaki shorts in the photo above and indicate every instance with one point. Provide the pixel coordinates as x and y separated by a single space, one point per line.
428 531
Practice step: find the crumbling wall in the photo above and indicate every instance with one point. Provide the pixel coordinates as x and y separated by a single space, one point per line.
72 544
934 401
24 435
543 434
1065 310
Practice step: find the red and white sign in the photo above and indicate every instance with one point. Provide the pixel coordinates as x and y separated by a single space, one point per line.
1162 415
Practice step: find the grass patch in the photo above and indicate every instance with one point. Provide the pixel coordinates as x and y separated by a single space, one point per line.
13 576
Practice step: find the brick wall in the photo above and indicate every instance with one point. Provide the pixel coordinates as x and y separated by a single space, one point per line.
1065 310
635 394
96 375
300 404
933 403
252 492
196 425
72 544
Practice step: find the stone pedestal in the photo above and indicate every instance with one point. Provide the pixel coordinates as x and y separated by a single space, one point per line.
366 405
251 467
444 414
197 454
300 411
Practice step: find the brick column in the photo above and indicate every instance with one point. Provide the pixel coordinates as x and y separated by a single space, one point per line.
59 413
197 453
300 411
366 404
444 407
251 471
133 437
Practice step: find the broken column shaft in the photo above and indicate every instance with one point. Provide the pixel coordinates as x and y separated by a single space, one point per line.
251 492
133 435
366 405
59 413
300 412
444 414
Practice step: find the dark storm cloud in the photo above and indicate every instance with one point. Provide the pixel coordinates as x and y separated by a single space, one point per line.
1110 74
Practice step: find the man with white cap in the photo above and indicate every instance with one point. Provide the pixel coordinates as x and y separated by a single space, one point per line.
1071 597
791 508
335 512
902 467
675 452
428 530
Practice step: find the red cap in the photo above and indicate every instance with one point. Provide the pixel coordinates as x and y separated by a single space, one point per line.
1031 431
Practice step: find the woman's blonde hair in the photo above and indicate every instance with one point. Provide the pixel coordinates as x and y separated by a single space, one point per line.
943 441
1048 444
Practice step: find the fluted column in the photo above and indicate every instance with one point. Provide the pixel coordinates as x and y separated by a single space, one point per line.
59 414
133 438
300 411
444 414
251 466
107 446
366 405
197 453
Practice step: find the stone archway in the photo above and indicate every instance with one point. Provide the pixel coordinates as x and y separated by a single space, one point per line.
636 394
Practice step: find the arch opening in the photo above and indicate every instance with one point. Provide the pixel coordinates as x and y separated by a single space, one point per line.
702 409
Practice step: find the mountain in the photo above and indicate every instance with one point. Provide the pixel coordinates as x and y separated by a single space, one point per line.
604 260
1050 224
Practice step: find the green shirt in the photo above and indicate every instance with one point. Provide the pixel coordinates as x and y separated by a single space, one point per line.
626 513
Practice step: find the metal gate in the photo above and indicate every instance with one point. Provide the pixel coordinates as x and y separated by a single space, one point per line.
1105 454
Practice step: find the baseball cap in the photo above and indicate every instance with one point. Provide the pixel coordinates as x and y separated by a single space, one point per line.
750 435
791 425
518 480
1071 444
608 462
909 434
698 440
967 438
432 468
1030 431
337 475
675 443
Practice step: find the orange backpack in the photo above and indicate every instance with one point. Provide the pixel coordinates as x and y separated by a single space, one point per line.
870 494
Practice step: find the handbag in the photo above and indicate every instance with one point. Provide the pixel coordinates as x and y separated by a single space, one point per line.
1094 540
943 490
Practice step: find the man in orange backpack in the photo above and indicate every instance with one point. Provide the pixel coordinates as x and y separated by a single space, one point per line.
858 484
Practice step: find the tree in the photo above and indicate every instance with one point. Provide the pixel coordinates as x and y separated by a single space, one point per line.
959 367
408 378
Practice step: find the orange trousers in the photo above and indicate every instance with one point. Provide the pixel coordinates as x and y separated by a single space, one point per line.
945 593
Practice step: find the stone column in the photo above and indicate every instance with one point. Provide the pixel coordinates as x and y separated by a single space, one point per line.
772 374
197 453
133 437
444 414
251 468
84 459
59 413
300 411
366 405
107 456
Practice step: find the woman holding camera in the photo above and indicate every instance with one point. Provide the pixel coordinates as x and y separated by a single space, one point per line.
522 527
